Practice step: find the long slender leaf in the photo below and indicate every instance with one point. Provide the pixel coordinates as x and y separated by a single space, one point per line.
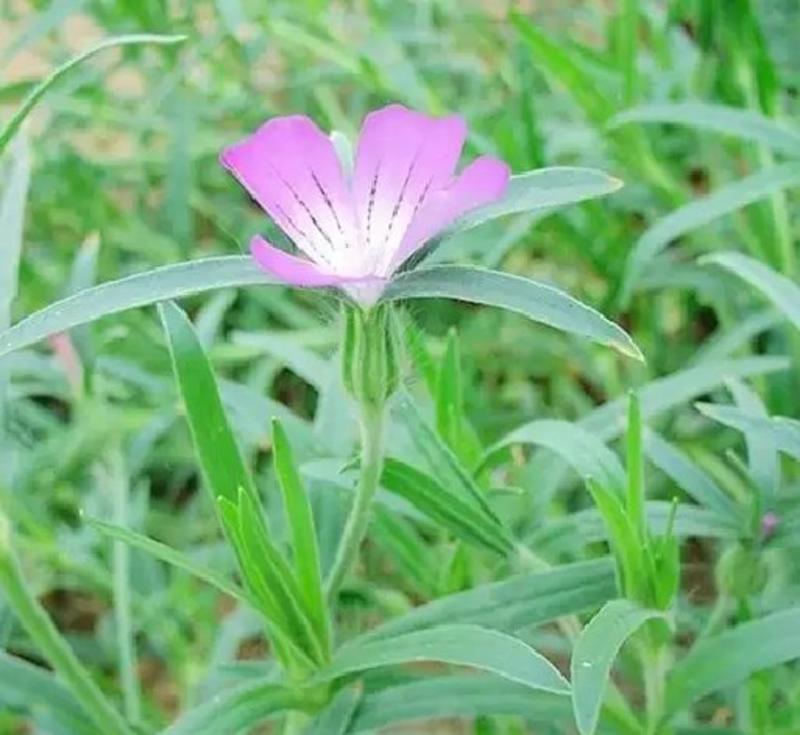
24 686
236 709
730 657
545 188
781 291
10 128
171 556
217 451
720 119
461 645
520 601
688 476
594 653
782 432
304 537
142 289
460 695
700 212
537 301
445 507
583 451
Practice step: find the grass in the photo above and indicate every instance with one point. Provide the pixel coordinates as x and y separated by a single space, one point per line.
661 547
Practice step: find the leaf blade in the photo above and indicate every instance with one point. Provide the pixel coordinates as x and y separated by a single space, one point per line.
461 645
536 301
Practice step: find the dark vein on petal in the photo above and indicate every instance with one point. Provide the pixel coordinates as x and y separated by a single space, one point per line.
371 203
330 205
305 206
401 197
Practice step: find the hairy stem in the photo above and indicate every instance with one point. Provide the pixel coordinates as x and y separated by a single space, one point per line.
372 421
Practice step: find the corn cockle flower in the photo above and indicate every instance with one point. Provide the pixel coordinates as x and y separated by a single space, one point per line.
357 229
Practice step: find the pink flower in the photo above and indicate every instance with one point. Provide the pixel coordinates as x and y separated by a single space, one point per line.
357 230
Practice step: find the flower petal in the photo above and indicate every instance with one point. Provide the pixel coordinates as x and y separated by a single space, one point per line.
295 271
402 157
483 181
300 272
291 169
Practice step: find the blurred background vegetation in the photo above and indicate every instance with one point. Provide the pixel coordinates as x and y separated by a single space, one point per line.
125 177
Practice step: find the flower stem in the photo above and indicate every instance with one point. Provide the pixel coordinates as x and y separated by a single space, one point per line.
372 419
51 643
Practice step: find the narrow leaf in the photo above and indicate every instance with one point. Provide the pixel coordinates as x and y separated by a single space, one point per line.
594 653
142 289
171 556
461 645
11 127
546 188
459 695
730 657
699 212
236 709
304 537
521 601
781 291
720 119
445 507
219 455
536 301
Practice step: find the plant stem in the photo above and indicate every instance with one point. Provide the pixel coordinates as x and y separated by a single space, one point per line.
121 593
51 643
653 659
372 419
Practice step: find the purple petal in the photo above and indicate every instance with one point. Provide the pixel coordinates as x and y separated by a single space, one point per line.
483 181
300 272
295 271
402 157
291 169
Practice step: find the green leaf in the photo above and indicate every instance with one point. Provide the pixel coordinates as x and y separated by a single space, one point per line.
730 657
461 645
534 300
460 695
173 557
594 653
582 450
445 507
635 491
271 579
689 477
335 719
782 432
445 465
699 212
546 188
142 289
657 396
781 291
26 687
560 65
304 536
624 541
521 601
16 174
219 455
734 121
236 709
763 461
10 128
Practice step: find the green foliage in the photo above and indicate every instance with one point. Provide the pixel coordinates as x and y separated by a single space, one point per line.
234 534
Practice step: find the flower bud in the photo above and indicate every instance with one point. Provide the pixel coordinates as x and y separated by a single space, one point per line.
371 353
